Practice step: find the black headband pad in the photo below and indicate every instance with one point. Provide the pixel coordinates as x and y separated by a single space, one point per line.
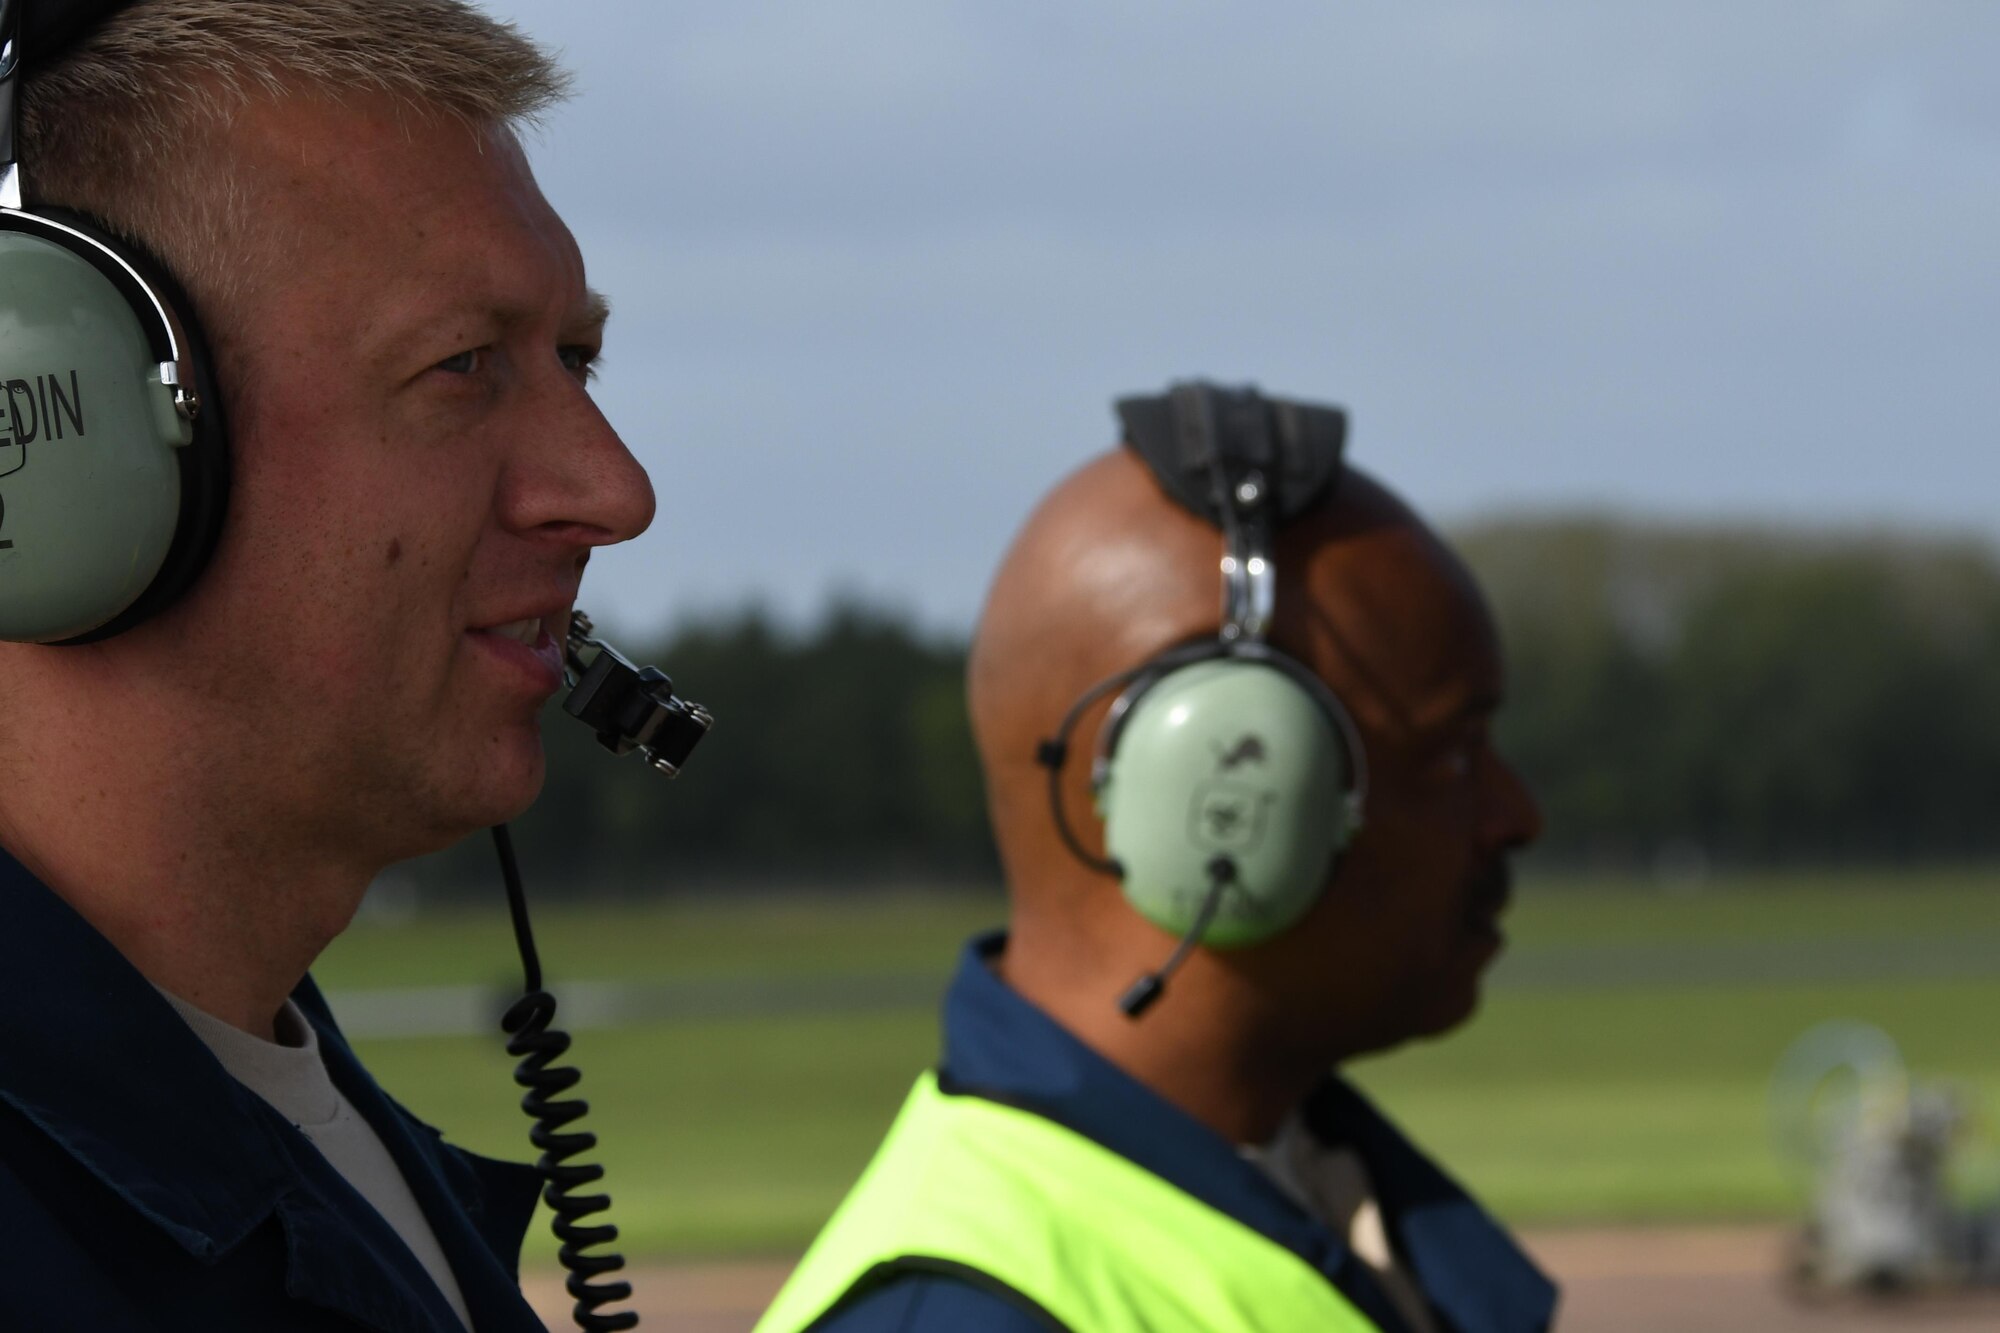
1297 446
51 27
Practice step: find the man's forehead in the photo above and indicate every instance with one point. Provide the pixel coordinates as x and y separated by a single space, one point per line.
1397 618
422 220
372 166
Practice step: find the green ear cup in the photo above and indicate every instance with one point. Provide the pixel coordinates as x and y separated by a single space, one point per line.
90 444
1226 756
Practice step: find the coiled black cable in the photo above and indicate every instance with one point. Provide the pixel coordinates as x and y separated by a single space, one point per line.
537 1045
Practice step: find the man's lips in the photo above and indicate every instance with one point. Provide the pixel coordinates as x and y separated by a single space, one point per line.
529 639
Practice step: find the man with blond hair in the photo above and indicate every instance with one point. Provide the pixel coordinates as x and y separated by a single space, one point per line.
337 662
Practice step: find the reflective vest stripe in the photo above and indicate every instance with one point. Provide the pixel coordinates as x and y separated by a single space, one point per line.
1098 1242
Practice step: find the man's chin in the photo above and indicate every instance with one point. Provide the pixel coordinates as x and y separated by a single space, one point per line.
1452 1018
516 792
1450 1006
504 786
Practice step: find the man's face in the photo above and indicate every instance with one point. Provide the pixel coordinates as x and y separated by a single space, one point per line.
1411 917
420 475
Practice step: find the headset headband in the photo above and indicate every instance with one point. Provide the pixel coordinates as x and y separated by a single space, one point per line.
1245 463
52 28
10 82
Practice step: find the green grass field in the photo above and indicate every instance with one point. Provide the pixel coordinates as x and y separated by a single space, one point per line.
1618 1070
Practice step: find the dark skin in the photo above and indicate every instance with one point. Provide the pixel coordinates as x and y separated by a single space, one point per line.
1108 572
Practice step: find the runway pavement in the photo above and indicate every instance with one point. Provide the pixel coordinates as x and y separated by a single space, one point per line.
1615 1280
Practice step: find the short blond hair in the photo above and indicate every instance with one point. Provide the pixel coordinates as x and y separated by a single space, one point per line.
129 127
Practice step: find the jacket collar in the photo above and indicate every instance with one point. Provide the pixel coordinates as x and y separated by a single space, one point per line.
998 1045
478 1208
99 1061
1469 1267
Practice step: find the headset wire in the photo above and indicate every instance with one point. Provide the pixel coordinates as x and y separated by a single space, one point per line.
537 1045
1139 997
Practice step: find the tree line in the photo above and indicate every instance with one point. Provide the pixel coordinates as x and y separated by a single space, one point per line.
1677 696
1753 697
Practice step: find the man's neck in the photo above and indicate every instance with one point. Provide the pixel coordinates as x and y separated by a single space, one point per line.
194 883
1198 1046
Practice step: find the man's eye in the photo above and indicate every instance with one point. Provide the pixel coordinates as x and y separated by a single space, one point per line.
1456 762
462 363
579 360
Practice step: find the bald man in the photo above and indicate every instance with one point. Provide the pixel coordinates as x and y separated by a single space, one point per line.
1095 1154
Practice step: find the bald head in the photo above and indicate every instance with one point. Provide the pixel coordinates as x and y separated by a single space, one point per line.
1109 572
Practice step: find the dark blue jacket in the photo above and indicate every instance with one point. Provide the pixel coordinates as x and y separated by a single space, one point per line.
141 1187
998 1045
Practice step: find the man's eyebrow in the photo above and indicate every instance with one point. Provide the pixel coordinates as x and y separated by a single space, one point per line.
596 308
471 312
1443 716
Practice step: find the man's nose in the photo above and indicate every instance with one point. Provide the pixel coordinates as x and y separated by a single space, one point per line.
571 477
1514 817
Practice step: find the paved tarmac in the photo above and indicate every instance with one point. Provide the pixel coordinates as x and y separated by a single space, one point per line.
1615 1280
1721 1280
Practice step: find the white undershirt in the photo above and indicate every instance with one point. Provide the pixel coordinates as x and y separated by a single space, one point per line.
290 1075
1332 1184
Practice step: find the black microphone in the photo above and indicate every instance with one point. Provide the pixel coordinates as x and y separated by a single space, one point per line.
630 708
1139 996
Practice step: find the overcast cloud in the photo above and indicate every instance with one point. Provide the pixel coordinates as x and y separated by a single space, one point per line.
879 268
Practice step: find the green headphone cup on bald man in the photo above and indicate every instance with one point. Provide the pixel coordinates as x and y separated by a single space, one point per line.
1227 757
1227 775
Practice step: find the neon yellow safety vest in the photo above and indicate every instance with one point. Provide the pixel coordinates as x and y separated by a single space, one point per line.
1099 1242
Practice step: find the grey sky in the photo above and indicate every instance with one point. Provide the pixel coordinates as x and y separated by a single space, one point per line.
880 268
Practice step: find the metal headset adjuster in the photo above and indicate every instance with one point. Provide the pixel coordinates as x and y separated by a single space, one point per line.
10 70
1241 494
